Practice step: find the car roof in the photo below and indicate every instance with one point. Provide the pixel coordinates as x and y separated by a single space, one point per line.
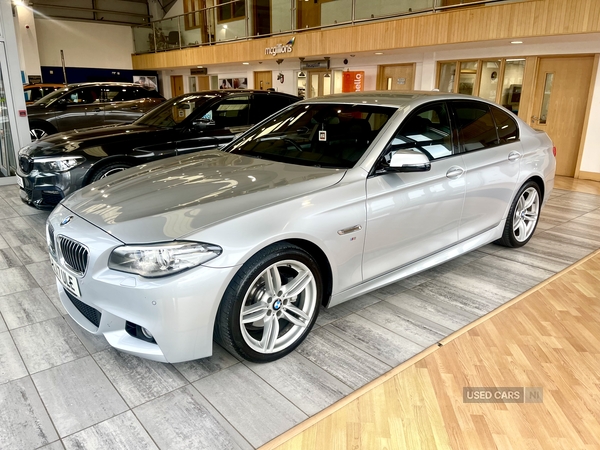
390 98
35 85
227 92
102 83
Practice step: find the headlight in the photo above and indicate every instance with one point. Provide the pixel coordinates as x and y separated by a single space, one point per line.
58 164
158 260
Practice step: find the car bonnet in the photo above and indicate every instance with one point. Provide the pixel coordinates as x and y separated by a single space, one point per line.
171 198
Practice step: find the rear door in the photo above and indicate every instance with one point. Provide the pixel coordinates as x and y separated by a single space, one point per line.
218 125
83 109
489 142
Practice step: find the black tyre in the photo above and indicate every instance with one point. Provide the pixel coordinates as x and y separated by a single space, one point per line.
523 216
271 304
39 130
108 170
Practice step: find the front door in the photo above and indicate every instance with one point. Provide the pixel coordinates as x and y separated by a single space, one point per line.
176 85
263 80
413 215
561 96
318 83
397 77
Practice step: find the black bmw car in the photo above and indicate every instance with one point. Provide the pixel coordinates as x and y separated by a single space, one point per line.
51 168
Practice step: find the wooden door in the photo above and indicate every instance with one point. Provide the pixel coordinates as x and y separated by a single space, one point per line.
203 83
263 80
559 105
397 77
318 83
176 85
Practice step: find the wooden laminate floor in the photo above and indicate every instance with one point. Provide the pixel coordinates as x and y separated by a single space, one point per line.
548 337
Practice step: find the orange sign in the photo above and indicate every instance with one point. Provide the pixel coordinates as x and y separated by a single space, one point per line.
353 81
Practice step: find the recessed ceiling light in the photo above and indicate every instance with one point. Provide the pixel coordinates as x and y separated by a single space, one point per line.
245 63
379 53
199 67
516 42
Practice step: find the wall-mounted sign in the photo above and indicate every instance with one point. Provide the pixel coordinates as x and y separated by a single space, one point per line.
353 81
316 64
199 71
281 48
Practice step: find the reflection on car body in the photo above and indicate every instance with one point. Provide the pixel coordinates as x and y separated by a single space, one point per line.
329 199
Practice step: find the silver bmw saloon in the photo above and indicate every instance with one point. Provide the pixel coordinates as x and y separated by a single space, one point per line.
326 200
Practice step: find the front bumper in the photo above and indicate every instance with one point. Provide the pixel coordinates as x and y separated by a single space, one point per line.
178 310
46 190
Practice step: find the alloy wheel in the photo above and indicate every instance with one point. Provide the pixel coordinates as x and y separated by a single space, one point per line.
526 214
112 171
278 306
37 133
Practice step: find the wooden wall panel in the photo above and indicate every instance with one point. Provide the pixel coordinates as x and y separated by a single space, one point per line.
529 18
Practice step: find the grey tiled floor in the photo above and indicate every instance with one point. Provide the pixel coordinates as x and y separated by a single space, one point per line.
63 388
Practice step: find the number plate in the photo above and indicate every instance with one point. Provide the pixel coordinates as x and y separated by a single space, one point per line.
20 182
68 281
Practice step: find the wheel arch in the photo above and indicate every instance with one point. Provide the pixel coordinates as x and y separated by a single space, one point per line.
106 162
42 124
540 182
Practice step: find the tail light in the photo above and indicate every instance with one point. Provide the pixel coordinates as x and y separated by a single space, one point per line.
554 151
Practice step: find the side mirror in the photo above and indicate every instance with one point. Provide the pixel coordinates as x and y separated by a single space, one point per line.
409 161
202 124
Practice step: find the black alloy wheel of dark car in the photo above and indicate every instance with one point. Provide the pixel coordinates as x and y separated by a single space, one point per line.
523 216
271 304
108 170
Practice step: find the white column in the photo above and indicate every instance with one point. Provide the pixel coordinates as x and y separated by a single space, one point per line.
590 160
428 68
27 41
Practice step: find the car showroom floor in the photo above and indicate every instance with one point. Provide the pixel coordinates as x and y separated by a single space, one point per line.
58 384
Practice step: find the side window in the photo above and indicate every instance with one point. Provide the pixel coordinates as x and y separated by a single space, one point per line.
84 95
263 105
476 126
115 94
508 131
427 131
231 112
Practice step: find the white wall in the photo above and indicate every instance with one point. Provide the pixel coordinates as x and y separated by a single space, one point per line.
85 44
590 161
27 41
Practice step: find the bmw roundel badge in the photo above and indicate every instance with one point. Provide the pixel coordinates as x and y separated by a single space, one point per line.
66 220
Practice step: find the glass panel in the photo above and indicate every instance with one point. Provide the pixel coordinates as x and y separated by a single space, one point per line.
447 74
281 16
314 85
167 34
337 81
546 100
488 84
302 85
366 9
193 28
326 84
7 152
468 73
192 84
338 11
511 86
144 39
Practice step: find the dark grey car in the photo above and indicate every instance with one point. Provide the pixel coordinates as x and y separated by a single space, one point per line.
85 105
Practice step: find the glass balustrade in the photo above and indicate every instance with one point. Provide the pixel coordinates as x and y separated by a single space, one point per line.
240 19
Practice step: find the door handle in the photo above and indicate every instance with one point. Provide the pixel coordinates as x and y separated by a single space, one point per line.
535 118
514 156
455 172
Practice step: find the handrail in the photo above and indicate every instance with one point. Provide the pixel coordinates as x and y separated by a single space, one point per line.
205 24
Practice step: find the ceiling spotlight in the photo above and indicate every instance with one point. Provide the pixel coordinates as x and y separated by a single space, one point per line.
379 53
245 63
516 42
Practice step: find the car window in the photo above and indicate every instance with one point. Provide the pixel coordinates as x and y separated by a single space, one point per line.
508 131
174 111
318 134
48 90
90 94
263 105
476 126
230 112
117 93
427 130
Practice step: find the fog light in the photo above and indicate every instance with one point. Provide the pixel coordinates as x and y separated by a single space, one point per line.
147 333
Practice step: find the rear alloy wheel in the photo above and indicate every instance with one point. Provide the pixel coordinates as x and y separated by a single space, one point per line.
106 171
523 217
271 304
40 130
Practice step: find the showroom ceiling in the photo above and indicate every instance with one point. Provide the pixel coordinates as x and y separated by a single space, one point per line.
125 12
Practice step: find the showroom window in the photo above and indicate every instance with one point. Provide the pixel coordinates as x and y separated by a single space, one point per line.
497 80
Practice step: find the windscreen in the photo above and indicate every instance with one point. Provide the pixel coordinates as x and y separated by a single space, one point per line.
320 134
173 112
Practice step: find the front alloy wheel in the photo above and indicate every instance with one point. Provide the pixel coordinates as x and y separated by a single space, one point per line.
271 304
